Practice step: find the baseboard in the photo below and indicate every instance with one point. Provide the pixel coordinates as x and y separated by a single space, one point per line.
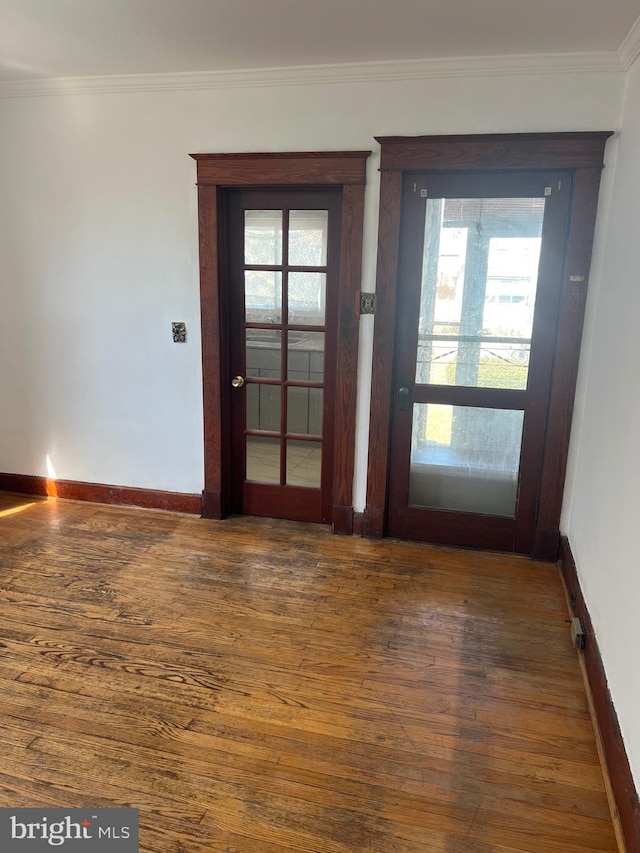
99 493
546 546
615 755
212 505
342 519
373 524
358 522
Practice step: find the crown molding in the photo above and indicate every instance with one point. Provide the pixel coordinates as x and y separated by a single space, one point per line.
629 50
356 72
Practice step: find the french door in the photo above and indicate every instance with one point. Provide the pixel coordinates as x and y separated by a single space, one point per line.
481 266
283 299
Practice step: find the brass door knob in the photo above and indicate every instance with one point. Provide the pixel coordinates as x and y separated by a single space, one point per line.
237 381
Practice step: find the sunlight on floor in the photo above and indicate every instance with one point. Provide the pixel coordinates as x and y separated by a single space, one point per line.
15 509
52 490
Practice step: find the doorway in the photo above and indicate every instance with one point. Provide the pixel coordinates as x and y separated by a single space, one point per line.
479 287
280 266
284 249
484 249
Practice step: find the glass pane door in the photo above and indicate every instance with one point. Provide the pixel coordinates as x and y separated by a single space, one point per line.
477 299
477 288
478 291
465 458
285 285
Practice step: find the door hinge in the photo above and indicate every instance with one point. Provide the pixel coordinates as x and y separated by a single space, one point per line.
536 510
367 303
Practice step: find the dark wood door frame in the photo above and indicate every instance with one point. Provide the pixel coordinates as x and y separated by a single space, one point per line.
582 154
217 173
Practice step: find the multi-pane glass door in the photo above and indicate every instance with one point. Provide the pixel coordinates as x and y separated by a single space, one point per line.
479 288
282 383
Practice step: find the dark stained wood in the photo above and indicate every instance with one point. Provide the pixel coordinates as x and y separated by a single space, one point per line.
622 783
467 530
212 506
347 357
470 529
494 398
284 501
383 347
582 153
338 168
565 372
343 518
260 686
290 502
212 353
493 151
74 490
346 170
546 544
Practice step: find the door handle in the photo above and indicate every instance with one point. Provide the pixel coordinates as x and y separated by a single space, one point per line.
237 381
404 398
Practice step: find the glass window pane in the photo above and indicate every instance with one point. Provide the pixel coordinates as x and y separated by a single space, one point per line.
308 232
264 353
304 411
306 356
263 237
479 279
263 459
465 458
304 463
307 298
263 407
263 296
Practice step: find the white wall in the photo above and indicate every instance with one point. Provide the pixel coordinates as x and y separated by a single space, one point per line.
602 502
98 247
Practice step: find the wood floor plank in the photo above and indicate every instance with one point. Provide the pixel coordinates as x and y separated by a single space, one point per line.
255 686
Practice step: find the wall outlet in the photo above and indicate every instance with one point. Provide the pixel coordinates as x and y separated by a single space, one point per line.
578 635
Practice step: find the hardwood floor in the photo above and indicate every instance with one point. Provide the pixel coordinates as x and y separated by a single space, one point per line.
257 686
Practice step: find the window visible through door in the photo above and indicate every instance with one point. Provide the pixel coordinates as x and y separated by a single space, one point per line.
477 334
284 252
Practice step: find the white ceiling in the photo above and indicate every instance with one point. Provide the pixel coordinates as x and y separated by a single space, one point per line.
79 38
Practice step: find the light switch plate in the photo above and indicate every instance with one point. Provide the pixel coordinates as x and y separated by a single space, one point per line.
179 332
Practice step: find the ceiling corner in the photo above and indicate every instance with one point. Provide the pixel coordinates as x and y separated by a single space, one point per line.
629 50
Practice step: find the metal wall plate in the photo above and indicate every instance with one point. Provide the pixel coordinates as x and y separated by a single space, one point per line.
367 303
179 333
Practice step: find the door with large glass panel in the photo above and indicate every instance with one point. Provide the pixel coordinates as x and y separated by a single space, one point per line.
284 248
479 287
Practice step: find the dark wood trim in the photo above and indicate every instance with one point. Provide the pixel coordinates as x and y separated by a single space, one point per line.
567 356
493 151
216 173
617 762
383 349
358 518
343 520
212 504
212 347
546 544
582 153
346 388
73 490
321 168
